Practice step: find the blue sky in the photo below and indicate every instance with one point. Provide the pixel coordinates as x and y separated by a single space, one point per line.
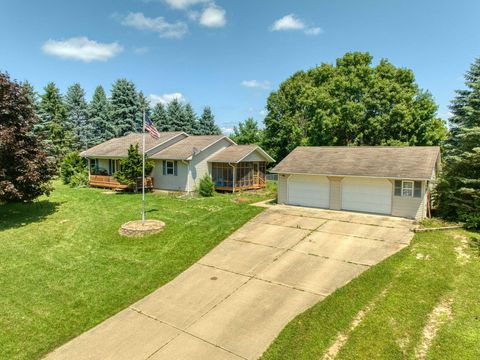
231 54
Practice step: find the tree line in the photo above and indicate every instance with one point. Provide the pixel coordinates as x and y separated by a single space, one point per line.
70 123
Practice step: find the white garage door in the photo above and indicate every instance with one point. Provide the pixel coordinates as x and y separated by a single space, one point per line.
369 195
309 190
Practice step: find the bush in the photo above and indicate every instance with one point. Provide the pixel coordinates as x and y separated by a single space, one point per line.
207 187
71 165
79 179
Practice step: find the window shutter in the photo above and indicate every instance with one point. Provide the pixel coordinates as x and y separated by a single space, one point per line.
164 163
175 168
398 187
417 189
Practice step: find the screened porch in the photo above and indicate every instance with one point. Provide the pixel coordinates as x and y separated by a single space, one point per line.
245 175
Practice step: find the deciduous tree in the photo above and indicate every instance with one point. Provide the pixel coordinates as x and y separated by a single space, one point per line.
247 132
25 170
351 103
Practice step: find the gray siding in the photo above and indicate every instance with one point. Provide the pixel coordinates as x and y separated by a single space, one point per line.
199 166
170 182
410 207
255 156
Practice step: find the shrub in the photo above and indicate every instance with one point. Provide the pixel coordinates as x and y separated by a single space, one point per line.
131 167
207 187
79 179
71 165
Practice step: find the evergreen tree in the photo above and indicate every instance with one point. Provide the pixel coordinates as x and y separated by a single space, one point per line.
98 114
159 117
458 191
143 105
206 124
53 128
124 107
175 115
31 93
247 132
78 117
190 121
25 170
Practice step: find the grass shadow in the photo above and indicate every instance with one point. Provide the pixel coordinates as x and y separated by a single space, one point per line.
21 214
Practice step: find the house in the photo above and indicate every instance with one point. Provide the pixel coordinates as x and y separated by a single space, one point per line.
182 160
384 180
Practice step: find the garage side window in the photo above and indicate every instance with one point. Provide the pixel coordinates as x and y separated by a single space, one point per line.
408 188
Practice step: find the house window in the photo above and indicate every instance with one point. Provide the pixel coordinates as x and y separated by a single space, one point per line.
170 167
408 188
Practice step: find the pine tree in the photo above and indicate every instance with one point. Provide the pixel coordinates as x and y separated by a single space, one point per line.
25 170
98 114
458 191
31 93
175 115
77 116
159 117
124 107
206 124
190 121
53 128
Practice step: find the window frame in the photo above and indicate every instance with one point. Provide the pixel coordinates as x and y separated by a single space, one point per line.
169 166
411 189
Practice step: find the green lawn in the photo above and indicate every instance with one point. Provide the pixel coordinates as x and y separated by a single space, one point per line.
400 294
64 268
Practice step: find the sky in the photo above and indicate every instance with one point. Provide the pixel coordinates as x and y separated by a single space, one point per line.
231 54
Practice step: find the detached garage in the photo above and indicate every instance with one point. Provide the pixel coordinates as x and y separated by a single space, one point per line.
382 180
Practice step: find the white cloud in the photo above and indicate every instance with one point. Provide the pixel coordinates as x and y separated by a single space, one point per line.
213 16
141 50
291 22
184 4
256 84
227 130
81 48
263 113
159 25
165 98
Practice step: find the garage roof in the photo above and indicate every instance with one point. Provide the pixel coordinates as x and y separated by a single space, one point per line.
414 162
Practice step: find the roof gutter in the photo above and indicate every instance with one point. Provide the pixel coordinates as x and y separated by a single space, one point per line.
361 176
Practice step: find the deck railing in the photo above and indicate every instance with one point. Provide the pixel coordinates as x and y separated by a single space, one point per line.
105 181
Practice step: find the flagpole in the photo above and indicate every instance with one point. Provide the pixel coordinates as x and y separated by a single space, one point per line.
143 169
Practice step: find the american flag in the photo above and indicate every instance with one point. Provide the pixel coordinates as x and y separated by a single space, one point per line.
151 128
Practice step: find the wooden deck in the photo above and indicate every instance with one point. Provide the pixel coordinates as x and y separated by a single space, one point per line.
109 182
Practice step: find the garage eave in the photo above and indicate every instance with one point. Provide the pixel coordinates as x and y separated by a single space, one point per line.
350 175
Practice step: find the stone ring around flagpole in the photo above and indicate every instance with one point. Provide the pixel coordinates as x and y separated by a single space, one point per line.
136 229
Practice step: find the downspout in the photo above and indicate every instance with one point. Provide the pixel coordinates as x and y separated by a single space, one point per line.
234 175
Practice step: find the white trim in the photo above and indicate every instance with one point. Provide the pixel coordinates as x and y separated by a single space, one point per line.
362 176
412 188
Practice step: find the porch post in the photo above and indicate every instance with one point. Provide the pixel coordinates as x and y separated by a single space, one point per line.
234 177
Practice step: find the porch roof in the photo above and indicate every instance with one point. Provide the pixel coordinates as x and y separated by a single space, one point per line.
236 153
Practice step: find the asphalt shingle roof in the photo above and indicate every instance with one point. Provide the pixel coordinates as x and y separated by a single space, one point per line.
118 147
235 153
414 162
186 148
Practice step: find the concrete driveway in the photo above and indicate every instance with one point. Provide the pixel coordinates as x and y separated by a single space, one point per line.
234 301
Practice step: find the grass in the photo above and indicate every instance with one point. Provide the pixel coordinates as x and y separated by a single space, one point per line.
64 268
412 283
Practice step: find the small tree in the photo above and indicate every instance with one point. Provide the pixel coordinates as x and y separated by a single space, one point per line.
25 170
71 165
131 167
207 187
